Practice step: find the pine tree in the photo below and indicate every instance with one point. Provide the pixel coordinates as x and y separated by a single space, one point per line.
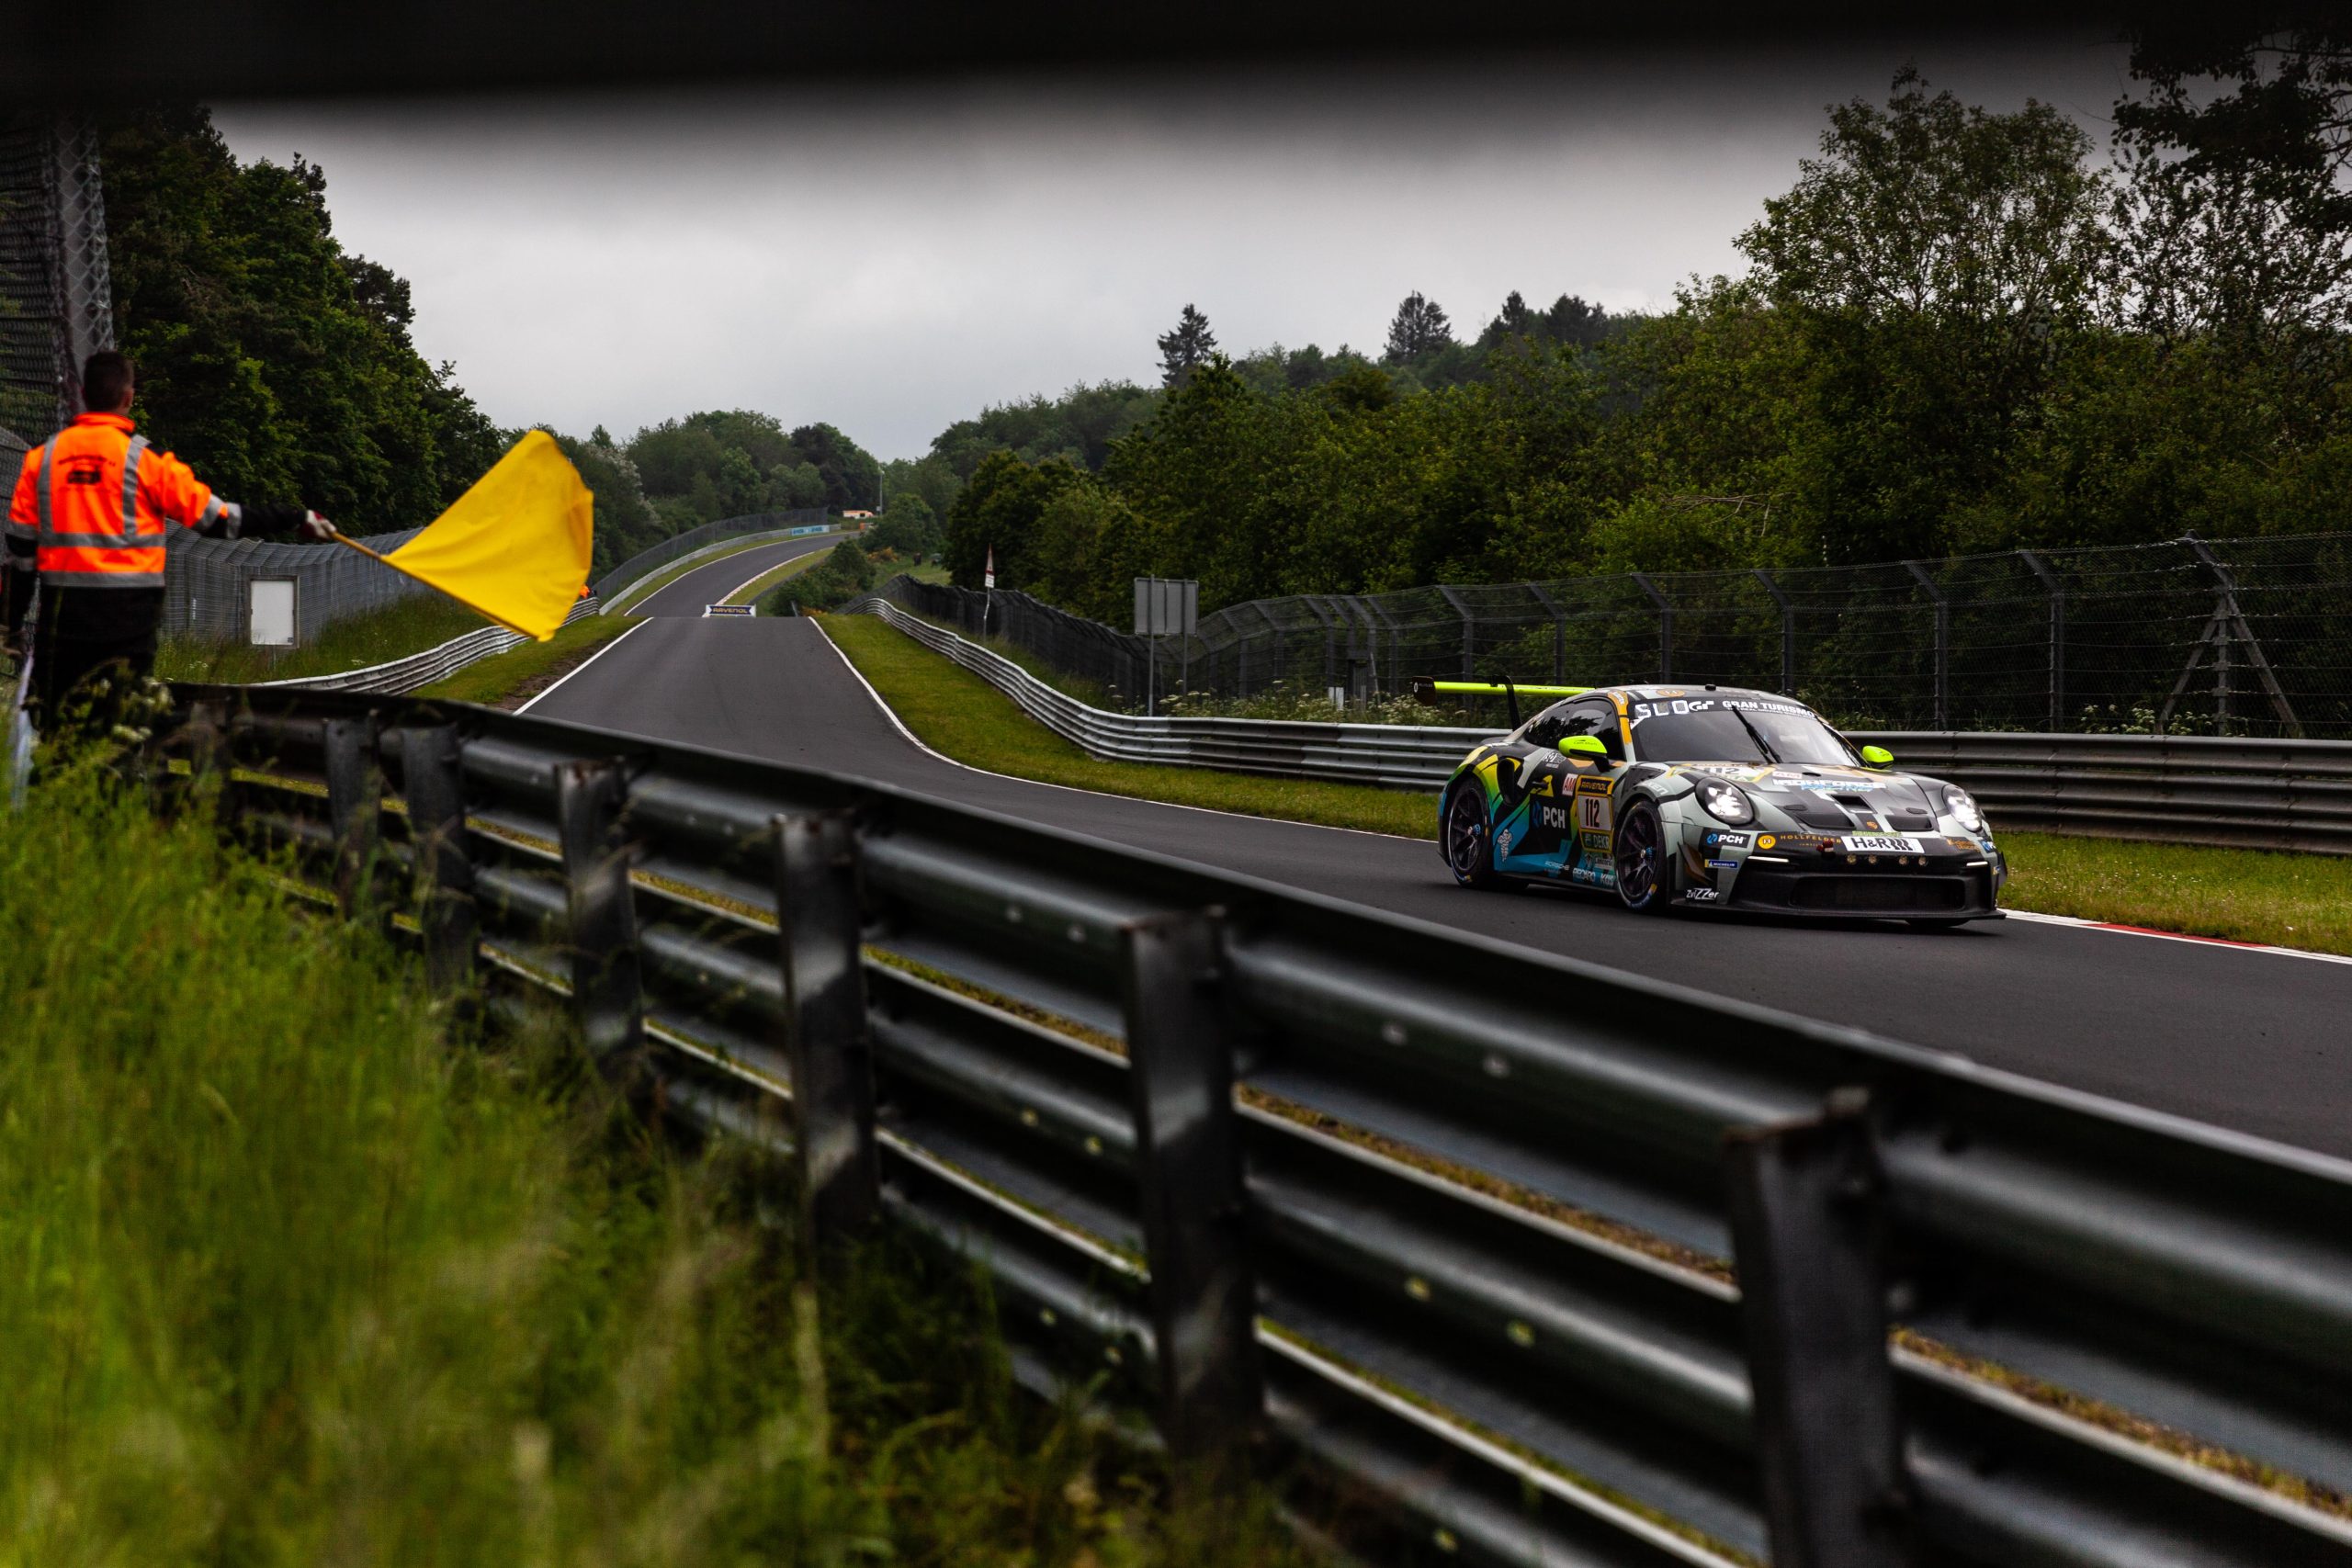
1516 319
1421 327
1185 349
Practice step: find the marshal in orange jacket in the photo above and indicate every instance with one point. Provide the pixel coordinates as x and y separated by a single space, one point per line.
94 501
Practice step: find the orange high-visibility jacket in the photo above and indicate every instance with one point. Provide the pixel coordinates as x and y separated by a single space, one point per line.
95 499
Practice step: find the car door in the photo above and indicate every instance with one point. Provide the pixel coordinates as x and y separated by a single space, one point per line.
1548 784
1585 848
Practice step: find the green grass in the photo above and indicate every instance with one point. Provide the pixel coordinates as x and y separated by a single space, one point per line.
395 631
530 667
2245 895
289 1277
751 590
957 712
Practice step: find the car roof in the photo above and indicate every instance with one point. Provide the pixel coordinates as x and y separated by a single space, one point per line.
1667 692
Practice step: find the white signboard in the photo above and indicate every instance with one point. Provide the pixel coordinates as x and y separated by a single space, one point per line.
1167 606
269 612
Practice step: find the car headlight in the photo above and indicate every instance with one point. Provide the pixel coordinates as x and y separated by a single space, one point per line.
1726 803
1963 808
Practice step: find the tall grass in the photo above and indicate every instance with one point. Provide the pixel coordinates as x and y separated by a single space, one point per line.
287 1277
392 631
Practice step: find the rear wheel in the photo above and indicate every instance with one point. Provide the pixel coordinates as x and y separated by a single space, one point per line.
1469 840
1644 873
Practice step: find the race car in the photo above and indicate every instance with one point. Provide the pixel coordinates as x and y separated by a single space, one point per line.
1706 798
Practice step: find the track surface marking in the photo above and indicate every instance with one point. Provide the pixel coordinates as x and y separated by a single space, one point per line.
2210 1030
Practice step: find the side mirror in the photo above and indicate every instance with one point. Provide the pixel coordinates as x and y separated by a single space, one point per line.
1589 747
1877 757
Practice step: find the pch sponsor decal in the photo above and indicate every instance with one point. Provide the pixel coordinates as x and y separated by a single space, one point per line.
1716 839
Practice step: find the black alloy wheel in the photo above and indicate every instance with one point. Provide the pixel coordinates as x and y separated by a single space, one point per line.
1644 874
1469 838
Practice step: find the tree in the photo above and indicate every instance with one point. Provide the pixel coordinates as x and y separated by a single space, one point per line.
997 510
908 526
1419 328
1933 207
2234 215
270 358
1185 349
1514 319
852 478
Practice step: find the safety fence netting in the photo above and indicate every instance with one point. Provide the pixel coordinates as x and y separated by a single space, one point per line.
2238 637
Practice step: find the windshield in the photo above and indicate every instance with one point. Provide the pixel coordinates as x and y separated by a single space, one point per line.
1708 729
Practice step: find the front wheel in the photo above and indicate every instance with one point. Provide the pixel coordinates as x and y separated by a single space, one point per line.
1645 873
1468 839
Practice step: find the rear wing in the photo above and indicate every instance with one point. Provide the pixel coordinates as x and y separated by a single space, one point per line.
1426 688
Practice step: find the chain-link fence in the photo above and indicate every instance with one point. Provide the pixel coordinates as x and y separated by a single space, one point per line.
683 544
55 306
207 583
2242 636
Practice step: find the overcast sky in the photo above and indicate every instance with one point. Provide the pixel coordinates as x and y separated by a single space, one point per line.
892 260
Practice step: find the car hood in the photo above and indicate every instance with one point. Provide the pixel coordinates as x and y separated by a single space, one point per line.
1828 798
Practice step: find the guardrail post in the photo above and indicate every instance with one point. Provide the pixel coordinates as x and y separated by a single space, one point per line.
432 783
824 1026
354 804
1204 1301
1806 1236
606 984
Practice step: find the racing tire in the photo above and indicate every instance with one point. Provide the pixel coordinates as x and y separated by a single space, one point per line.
1468 841
1645 869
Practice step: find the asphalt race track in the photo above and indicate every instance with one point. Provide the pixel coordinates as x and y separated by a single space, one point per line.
2243 1039
709 584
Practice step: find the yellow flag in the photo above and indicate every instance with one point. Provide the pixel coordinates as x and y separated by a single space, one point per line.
516 546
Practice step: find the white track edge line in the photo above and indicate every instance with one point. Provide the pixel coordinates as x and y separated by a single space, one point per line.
901 724
2120 929
583 664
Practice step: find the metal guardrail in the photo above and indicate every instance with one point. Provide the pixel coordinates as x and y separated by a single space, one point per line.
398 677
2280 794
1457 1225
1393 756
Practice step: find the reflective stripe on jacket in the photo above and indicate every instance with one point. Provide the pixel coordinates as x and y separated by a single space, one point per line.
95 499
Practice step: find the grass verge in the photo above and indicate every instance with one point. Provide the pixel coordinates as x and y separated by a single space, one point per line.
285 1277
751 590
2290 900
954 711
523 672
396 630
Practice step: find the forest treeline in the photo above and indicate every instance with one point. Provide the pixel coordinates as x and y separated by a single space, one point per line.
281 366
1958 331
